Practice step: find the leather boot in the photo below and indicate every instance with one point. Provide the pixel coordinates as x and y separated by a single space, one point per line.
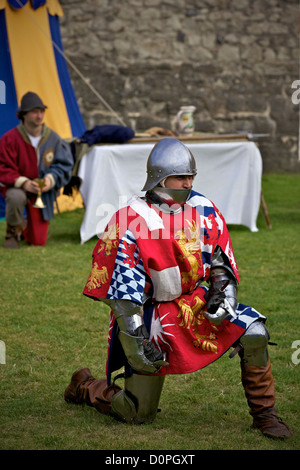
13 236
259 389
85 389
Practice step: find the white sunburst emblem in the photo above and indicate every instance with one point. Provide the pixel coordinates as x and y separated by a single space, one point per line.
158 329
48 157
229 253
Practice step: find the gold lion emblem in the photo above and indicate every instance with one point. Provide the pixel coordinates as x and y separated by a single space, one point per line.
109 239
190 247
191 317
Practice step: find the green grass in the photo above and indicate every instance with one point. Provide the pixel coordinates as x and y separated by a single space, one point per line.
50 329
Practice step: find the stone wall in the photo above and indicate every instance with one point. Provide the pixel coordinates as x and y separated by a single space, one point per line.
235 61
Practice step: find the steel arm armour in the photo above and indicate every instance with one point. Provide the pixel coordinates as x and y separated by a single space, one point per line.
139 350
222 295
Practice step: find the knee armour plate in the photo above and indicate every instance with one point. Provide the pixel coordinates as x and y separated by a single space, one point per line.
254 344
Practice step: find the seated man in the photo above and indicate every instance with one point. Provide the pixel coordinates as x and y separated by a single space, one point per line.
152 266
30 151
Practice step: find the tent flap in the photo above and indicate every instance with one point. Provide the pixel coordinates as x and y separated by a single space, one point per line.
31 59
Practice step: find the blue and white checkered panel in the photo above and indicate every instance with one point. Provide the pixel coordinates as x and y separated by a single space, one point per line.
203 205
127 283
246 315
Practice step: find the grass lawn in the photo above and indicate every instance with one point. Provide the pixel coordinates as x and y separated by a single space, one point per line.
50 329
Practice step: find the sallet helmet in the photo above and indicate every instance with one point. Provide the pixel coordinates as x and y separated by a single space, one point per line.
169 157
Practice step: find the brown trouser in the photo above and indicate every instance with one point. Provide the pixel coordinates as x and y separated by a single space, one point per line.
15 200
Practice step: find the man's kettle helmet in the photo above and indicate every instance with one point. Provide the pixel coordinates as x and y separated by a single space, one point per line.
169 157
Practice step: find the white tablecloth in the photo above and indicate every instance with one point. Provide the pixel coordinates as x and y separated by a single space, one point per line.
228 173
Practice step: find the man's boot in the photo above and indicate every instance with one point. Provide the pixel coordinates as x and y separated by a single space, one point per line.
259 389
13 236
85 389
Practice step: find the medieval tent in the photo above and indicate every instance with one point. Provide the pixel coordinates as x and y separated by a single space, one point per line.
32 59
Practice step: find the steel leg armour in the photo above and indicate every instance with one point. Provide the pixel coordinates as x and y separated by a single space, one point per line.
254 344
138 403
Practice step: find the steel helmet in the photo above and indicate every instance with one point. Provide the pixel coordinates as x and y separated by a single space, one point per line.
169 157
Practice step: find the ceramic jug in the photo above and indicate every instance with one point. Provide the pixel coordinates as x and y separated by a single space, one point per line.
185 120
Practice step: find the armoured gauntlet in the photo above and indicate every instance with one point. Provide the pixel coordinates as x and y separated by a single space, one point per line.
139 350
222 295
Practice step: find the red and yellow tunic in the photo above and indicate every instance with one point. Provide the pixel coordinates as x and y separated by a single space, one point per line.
168 258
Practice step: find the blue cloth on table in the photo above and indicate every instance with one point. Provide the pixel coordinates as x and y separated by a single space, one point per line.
108 133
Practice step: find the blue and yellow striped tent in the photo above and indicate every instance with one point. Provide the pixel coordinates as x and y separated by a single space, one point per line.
32 59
